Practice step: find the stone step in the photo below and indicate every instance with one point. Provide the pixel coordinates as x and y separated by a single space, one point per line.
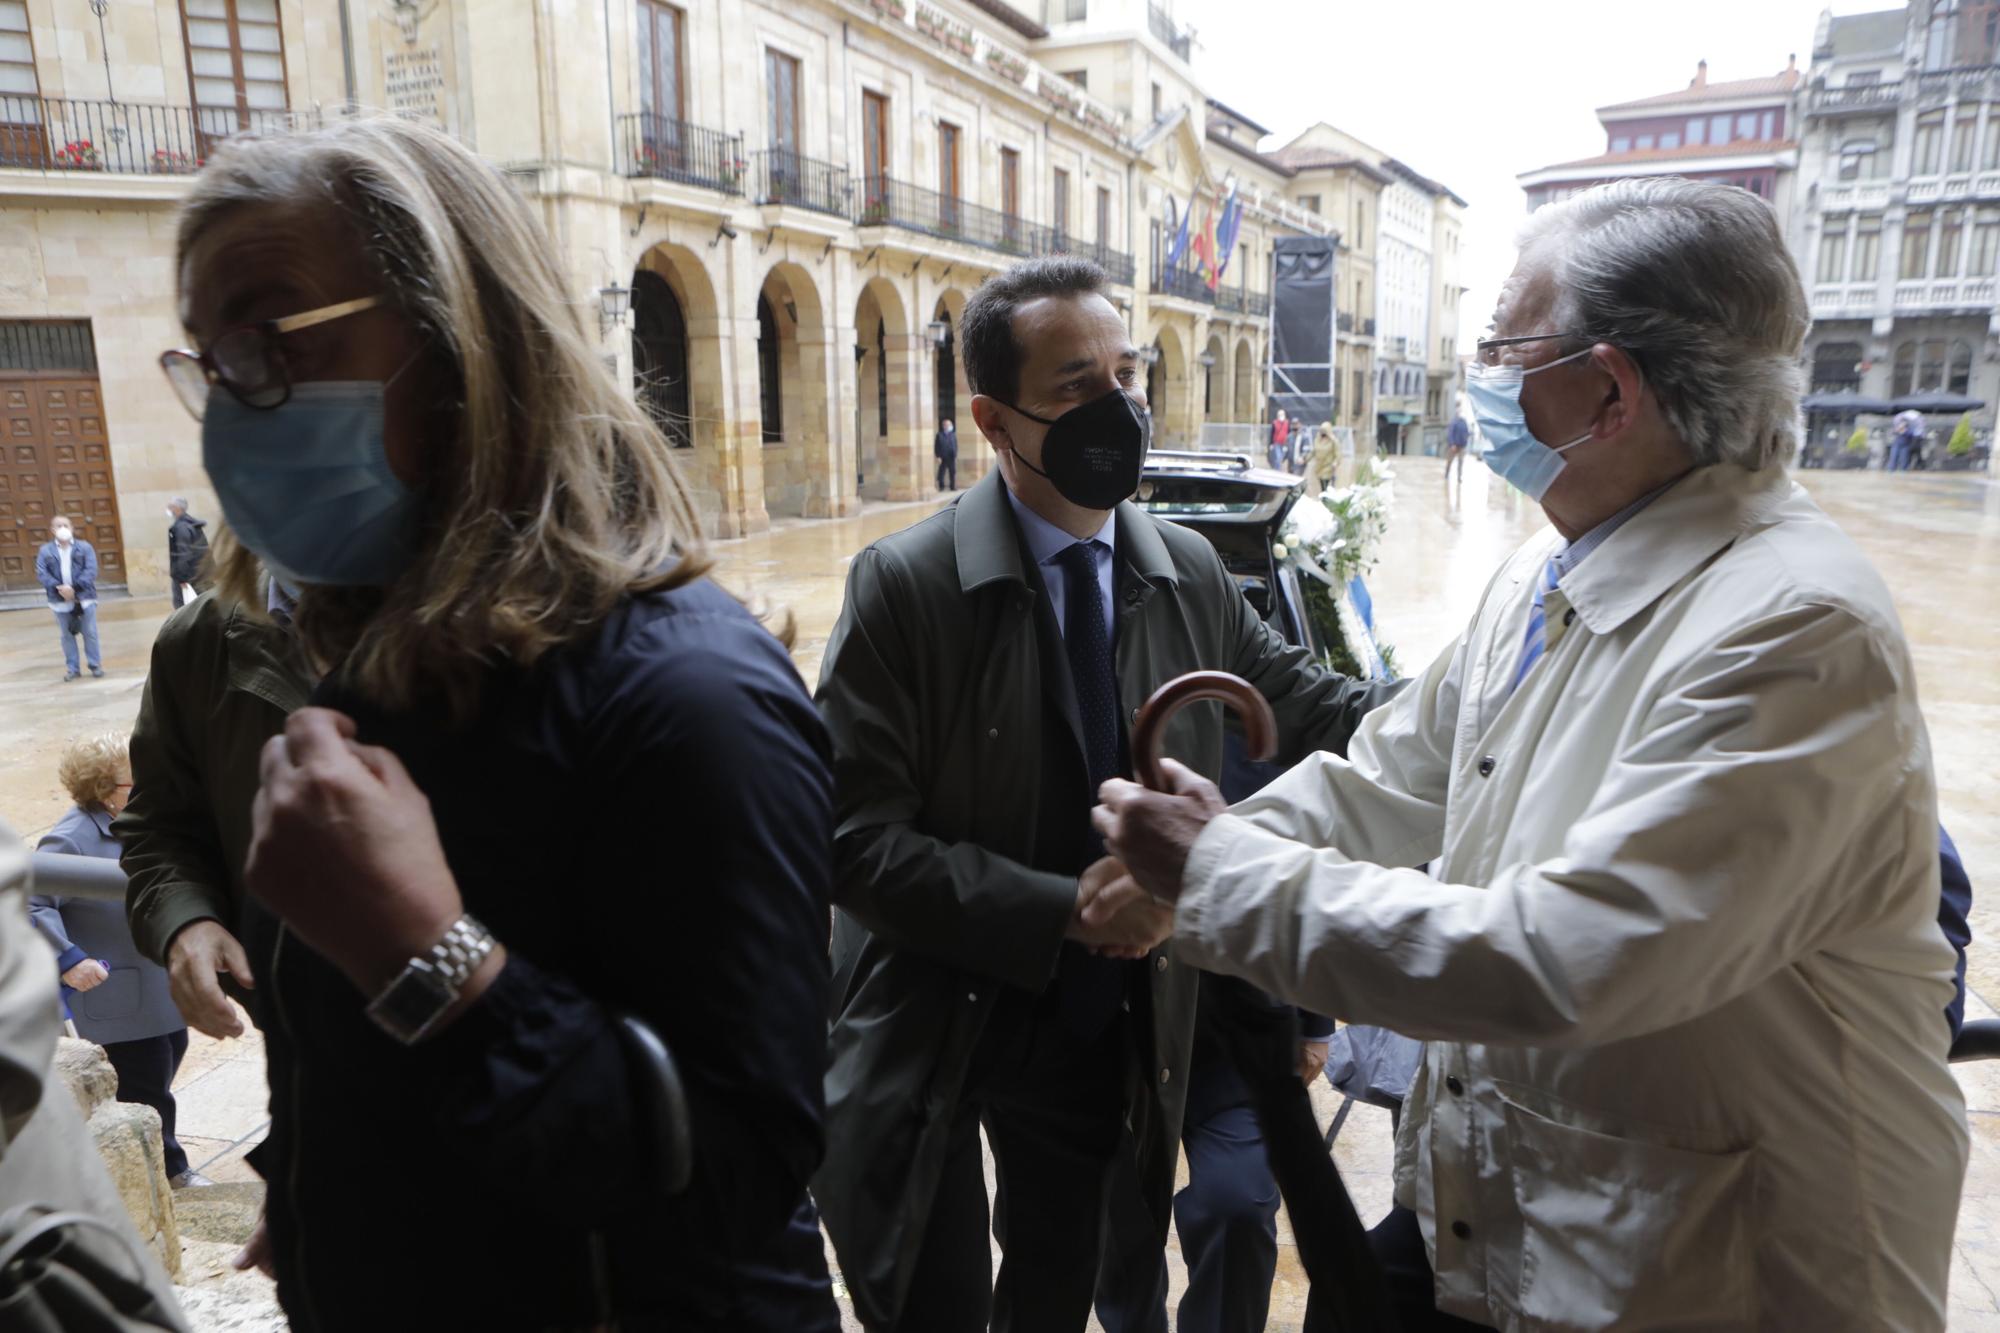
225 1213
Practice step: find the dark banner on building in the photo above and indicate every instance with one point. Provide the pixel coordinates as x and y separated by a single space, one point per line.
1302 328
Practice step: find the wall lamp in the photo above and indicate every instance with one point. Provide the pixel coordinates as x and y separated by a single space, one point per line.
939 331
613 304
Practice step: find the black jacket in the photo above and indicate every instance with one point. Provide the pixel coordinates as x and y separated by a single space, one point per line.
187 548
645 821
944 444
937 686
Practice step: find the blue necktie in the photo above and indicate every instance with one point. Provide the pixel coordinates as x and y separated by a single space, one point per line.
1537 640
1090 989
1091 667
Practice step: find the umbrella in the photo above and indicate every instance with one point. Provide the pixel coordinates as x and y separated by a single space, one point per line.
1937 402
1843 404
1348 1293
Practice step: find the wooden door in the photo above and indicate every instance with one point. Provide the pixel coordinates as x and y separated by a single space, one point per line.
73 416
24 485
58 461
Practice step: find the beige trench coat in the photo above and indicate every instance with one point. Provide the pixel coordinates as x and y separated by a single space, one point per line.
1680 971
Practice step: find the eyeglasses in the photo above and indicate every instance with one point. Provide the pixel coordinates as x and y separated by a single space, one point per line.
248 360
1488 349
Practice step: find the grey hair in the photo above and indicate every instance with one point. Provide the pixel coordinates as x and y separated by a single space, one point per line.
1692 280
179 502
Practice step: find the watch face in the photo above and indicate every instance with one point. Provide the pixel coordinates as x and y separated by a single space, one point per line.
415 999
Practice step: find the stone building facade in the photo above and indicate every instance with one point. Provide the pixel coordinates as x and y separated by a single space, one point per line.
772 212
1897 228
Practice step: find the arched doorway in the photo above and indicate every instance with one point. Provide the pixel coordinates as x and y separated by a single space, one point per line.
680 356
660 357
1156 384
1246 383
1170 391
1215 369
799 472
888 367
945 370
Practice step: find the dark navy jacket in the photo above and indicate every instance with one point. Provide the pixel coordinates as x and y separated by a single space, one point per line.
1955 919
645 822
82 571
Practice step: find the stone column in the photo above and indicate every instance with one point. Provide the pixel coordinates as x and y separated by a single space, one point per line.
906 456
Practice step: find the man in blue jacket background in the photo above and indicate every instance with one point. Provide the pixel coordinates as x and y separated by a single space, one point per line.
67 567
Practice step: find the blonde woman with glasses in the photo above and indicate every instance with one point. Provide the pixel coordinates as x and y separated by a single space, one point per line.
485 548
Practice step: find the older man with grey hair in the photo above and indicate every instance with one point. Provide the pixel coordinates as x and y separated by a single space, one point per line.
1677 959
187 551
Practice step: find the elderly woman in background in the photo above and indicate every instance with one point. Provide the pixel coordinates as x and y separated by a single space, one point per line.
497 569
117 997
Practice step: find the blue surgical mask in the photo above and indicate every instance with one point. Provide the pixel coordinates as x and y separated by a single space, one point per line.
307 485
1512 451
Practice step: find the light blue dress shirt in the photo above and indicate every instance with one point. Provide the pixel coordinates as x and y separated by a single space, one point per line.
1047 542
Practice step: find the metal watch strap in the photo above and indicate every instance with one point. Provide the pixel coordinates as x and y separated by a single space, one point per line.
458 955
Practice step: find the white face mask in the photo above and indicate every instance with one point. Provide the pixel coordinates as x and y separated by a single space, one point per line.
61 535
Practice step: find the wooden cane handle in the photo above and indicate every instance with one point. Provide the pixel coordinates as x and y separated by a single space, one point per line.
1260 727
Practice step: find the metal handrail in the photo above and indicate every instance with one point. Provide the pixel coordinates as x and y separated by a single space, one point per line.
128 138
663 148
785 177
60 874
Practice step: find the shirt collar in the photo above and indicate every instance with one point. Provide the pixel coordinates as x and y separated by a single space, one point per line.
1669 537
1573 555
1046 541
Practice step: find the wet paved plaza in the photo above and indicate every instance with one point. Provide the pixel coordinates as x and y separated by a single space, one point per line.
1935 538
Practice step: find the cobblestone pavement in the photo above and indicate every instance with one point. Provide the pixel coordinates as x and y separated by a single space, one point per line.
1935 538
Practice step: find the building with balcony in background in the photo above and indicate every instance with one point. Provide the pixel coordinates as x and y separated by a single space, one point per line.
1897 228
1741 132
1402 237
770 211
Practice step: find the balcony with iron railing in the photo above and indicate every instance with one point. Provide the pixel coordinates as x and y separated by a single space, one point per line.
1117 265
1854 97
887 202
1244 302
662 148
1177 39
128 138
1181 283
781 176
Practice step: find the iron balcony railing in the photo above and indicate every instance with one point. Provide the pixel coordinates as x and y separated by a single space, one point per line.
886 201
1117 265
662 148
1182 283
65 134
785 177
1243 302
1179 40
1345 320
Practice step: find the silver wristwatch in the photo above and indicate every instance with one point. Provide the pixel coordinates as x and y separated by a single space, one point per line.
409 1006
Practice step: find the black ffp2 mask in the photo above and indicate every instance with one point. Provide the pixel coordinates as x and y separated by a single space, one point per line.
1094 453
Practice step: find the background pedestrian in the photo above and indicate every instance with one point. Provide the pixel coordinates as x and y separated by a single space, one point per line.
67 568
117 996
187 551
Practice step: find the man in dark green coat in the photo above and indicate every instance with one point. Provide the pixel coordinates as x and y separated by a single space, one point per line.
978 688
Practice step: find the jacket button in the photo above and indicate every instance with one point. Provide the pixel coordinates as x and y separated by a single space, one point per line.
1131 597
1160 963
1135 717
1462 1229
1166 1075
1569 617
1457 1088
1486 767
972 996
993 734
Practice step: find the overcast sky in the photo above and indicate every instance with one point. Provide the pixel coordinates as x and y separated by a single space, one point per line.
1471 92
